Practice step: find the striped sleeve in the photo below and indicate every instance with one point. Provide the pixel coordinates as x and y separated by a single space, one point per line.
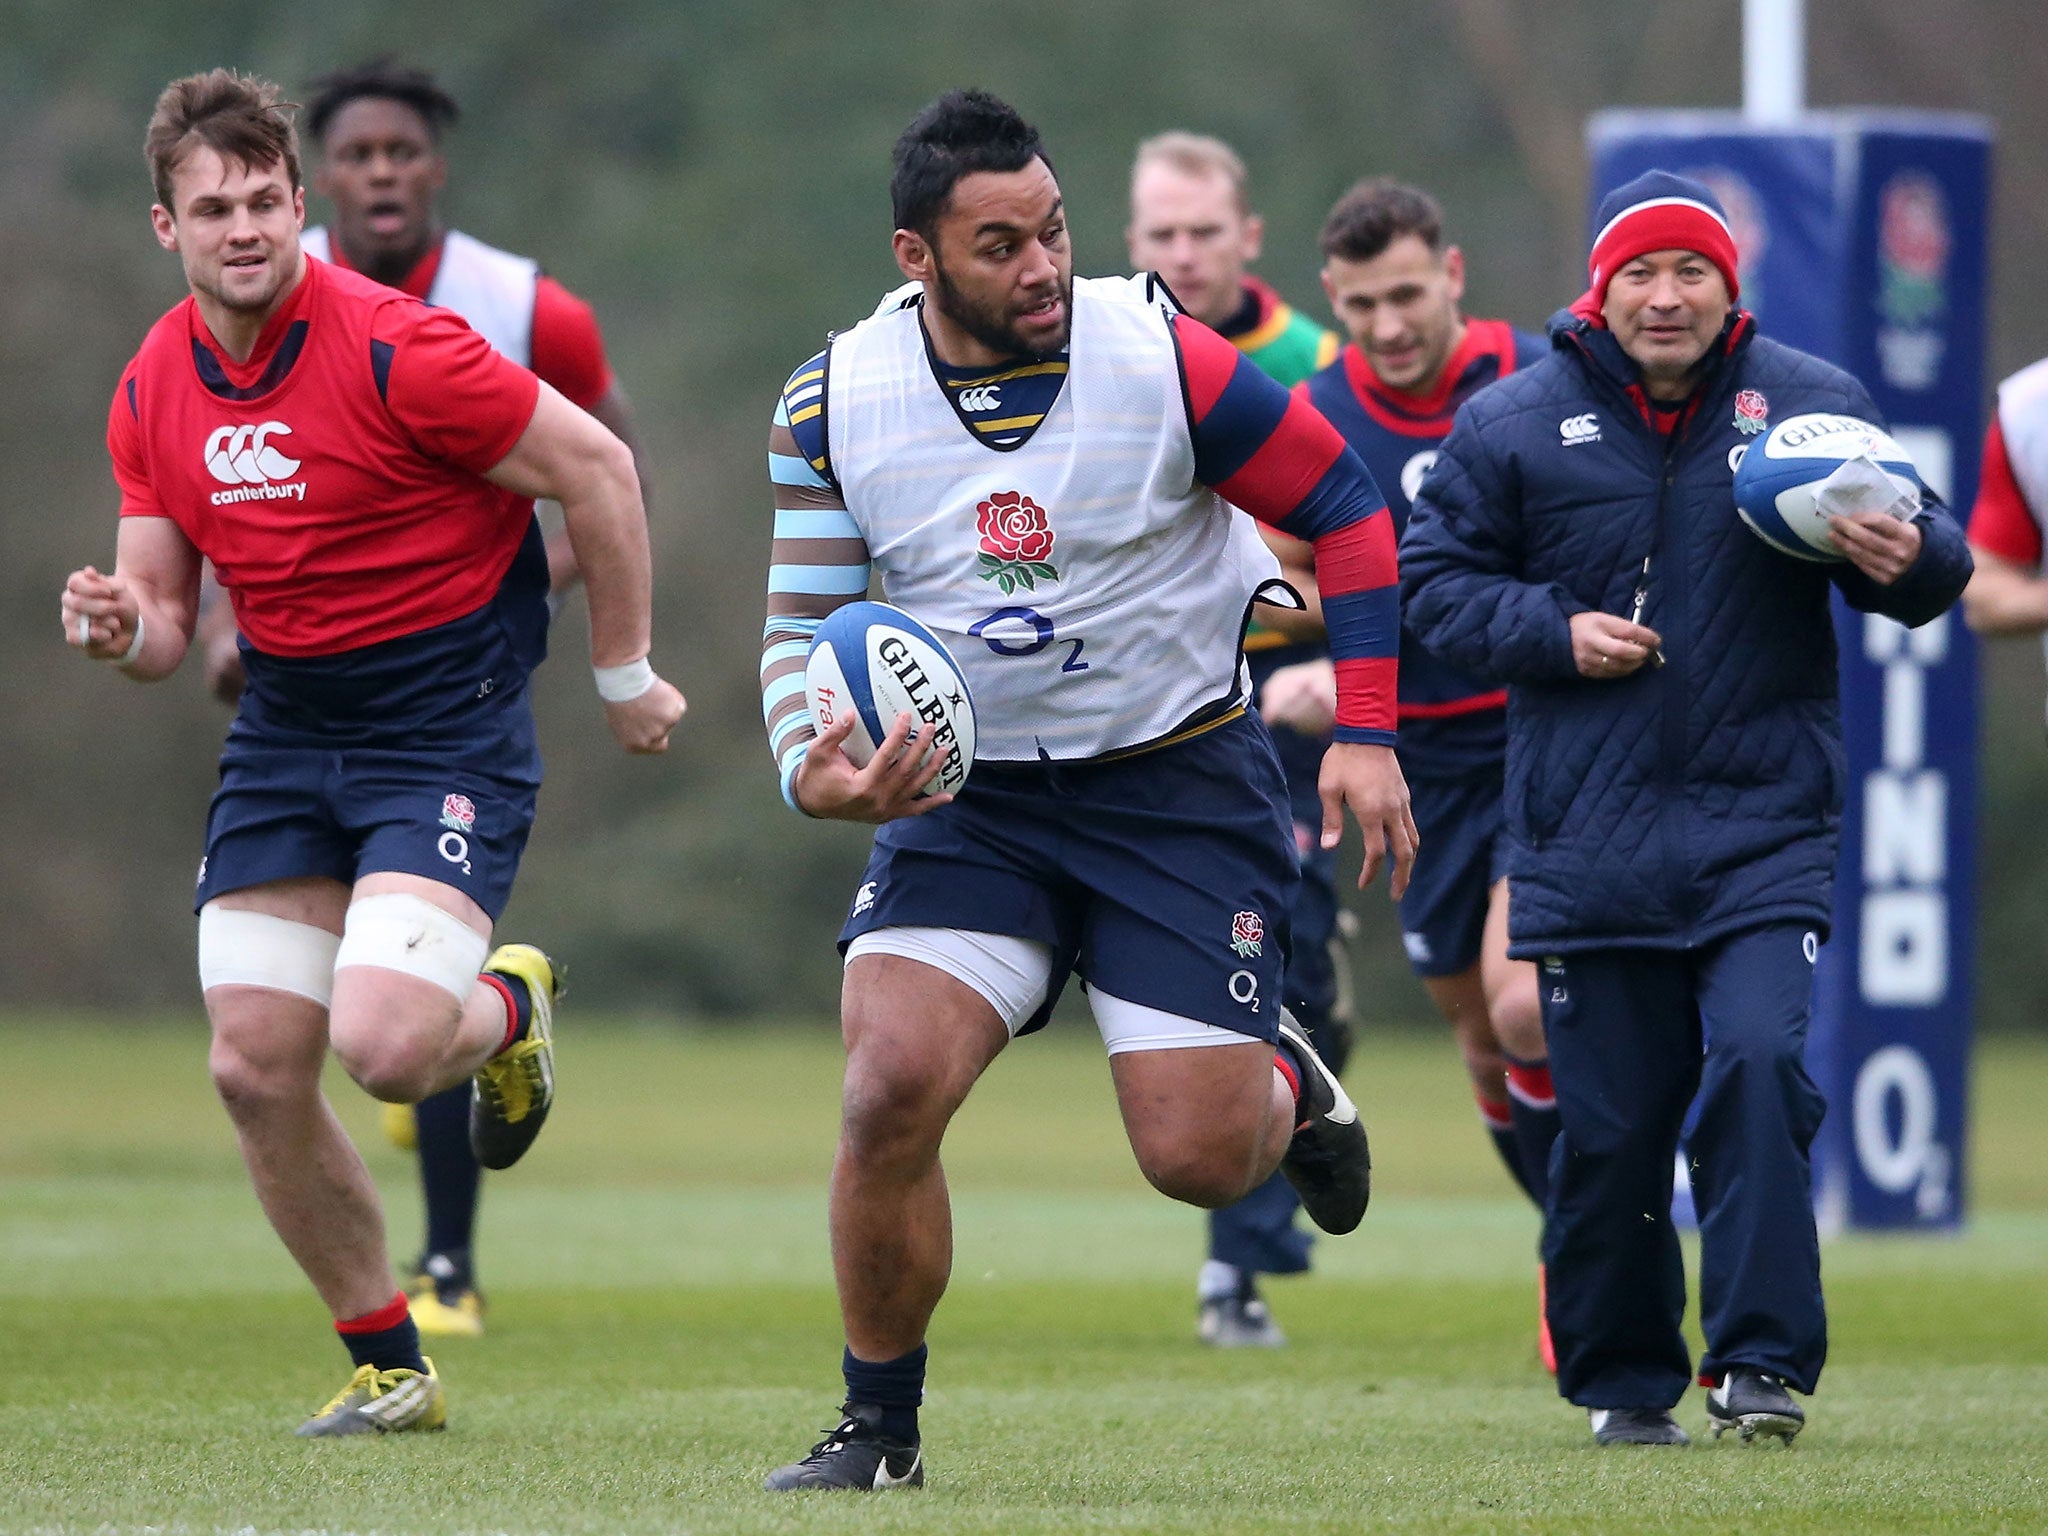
819 563
1270 452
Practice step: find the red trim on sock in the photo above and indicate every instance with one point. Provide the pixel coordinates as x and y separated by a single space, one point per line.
1494 1112
497 984
1711 1382
1529 1081
390 1315
1286 1069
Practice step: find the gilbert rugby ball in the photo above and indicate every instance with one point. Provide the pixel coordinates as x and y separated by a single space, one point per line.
878 662
1779 483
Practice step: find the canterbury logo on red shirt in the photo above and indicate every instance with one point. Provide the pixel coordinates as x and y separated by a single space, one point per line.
244 457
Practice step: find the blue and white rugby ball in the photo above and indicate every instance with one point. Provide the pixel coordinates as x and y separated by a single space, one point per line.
879 662
1778 483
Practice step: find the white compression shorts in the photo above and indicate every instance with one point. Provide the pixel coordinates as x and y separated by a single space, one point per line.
1013 974
255 949
397 931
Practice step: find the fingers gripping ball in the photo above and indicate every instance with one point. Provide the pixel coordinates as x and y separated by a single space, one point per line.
1819 465
878 662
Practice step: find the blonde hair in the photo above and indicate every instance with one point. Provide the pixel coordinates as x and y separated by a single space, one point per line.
1194 154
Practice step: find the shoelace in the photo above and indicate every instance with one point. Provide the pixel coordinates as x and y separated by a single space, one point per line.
835 1440
365 1376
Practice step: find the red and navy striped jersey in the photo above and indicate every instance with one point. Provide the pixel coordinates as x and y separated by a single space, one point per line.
1449 721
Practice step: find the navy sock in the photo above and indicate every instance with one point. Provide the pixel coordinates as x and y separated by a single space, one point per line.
894 1386
1499 1119
1297 1072
450 1178
386 1338
518 1004
1532 1101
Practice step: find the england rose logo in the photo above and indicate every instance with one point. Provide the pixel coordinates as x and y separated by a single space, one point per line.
458 813
1247 933
1016 542
1752 411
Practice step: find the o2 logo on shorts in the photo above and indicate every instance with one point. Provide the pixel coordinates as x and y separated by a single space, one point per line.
1244 988
458 815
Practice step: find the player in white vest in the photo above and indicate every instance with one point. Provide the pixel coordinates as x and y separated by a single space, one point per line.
378 127
2008 594
1124 819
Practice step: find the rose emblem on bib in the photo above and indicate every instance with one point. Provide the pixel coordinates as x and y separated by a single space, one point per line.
1247 930
1016 542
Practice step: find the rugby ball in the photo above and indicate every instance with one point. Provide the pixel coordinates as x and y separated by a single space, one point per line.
1809 467
877 661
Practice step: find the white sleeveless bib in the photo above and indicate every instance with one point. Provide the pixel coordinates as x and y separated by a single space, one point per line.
491 289
2023 422
1093 593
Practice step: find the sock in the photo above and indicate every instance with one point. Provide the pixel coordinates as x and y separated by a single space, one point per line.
1218 1280
1533 1104
894 1386
518 1007
1296 1071
385 1338
1497 1115
450 1177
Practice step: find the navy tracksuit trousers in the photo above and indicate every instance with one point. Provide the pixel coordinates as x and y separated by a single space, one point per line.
1634 1034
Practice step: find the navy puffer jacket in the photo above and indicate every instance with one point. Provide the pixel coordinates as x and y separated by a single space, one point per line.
1684 803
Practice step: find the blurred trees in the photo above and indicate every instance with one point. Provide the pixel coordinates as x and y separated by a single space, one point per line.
714 178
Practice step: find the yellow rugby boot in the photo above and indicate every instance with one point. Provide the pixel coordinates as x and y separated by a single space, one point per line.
459 1315
382 1403
513 1091
444 1298
400 1128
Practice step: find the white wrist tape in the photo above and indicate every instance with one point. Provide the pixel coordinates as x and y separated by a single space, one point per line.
622 685
134 646
238 948
395 931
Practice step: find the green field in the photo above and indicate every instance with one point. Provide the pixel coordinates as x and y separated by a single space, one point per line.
663 1329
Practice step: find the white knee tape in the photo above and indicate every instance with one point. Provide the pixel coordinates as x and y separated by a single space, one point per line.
254 949
397 932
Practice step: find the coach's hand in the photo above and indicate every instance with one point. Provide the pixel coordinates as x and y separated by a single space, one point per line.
1368 779
1604 646
643 724
99 614
1879 545
828 784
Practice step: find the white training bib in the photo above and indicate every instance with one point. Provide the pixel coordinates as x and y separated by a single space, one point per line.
491 289
2023 423
1093 593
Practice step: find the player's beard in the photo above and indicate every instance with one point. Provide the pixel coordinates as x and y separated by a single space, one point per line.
995 326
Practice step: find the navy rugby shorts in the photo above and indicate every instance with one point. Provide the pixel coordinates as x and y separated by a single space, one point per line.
1164 878
458 811
1463 852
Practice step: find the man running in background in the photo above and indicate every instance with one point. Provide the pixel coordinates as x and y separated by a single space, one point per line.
1191 223
1412 360
359 467
378 127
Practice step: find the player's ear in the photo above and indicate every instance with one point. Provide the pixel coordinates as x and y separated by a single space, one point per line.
299 207
1254 236
165 226
1454 269
914 256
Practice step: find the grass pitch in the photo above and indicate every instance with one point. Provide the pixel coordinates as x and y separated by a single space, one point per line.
662 1327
